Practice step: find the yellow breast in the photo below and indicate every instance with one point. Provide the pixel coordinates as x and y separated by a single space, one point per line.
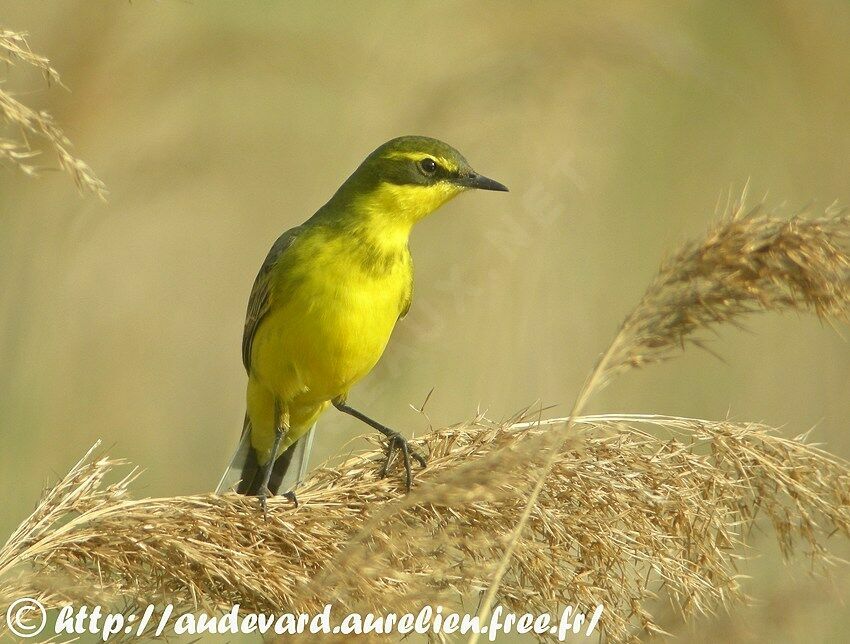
334 306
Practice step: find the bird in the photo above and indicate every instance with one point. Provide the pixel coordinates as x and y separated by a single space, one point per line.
324 304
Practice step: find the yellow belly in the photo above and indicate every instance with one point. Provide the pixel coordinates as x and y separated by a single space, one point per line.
329 324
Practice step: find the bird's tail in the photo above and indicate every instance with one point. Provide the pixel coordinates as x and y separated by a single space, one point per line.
245 474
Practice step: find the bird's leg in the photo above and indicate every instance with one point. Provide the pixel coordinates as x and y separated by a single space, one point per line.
281 421
395 441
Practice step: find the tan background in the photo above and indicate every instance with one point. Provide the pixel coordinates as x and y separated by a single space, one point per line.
217 125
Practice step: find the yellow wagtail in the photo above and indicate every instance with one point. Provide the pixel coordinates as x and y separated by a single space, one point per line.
325 302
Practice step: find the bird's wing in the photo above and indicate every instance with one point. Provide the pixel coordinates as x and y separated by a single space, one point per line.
405 307
408 296
259 302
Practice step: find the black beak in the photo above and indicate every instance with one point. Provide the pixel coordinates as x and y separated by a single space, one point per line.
480 182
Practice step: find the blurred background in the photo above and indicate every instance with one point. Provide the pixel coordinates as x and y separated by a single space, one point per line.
218 125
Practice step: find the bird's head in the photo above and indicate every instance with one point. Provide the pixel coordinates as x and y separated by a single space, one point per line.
410 177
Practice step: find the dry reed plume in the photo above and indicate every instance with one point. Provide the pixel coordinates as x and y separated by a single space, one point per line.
21 121
750 261
536 514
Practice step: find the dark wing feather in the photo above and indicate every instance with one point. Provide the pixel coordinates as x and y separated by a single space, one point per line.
258 303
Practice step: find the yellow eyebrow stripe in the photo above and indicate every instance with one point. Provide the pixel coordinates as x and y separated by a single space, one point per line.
418 156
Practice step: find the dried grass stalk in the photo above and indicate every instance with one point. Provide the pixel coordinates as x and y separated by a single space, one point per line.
622 516
615 513
17 116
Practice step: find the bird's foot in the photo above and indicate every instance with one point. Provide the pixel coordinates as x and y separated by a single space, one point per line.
263 496
397 442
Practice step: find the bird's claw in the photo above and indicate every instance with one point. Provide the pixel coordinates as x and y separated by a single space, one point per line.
398 442
264 494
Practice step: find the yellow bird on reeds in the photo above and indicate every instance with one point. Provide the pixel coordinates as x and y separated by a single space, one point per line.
325 302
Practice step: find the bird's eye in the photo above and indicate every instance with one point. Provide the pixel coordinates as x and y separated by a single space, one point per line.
428 166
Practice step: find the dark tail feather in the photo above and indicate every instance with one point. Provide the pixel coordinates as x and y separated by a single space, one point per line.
252 473
244 474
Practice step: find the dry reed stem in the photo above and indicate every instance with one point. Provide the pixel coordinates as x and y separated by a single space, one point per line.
17 116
